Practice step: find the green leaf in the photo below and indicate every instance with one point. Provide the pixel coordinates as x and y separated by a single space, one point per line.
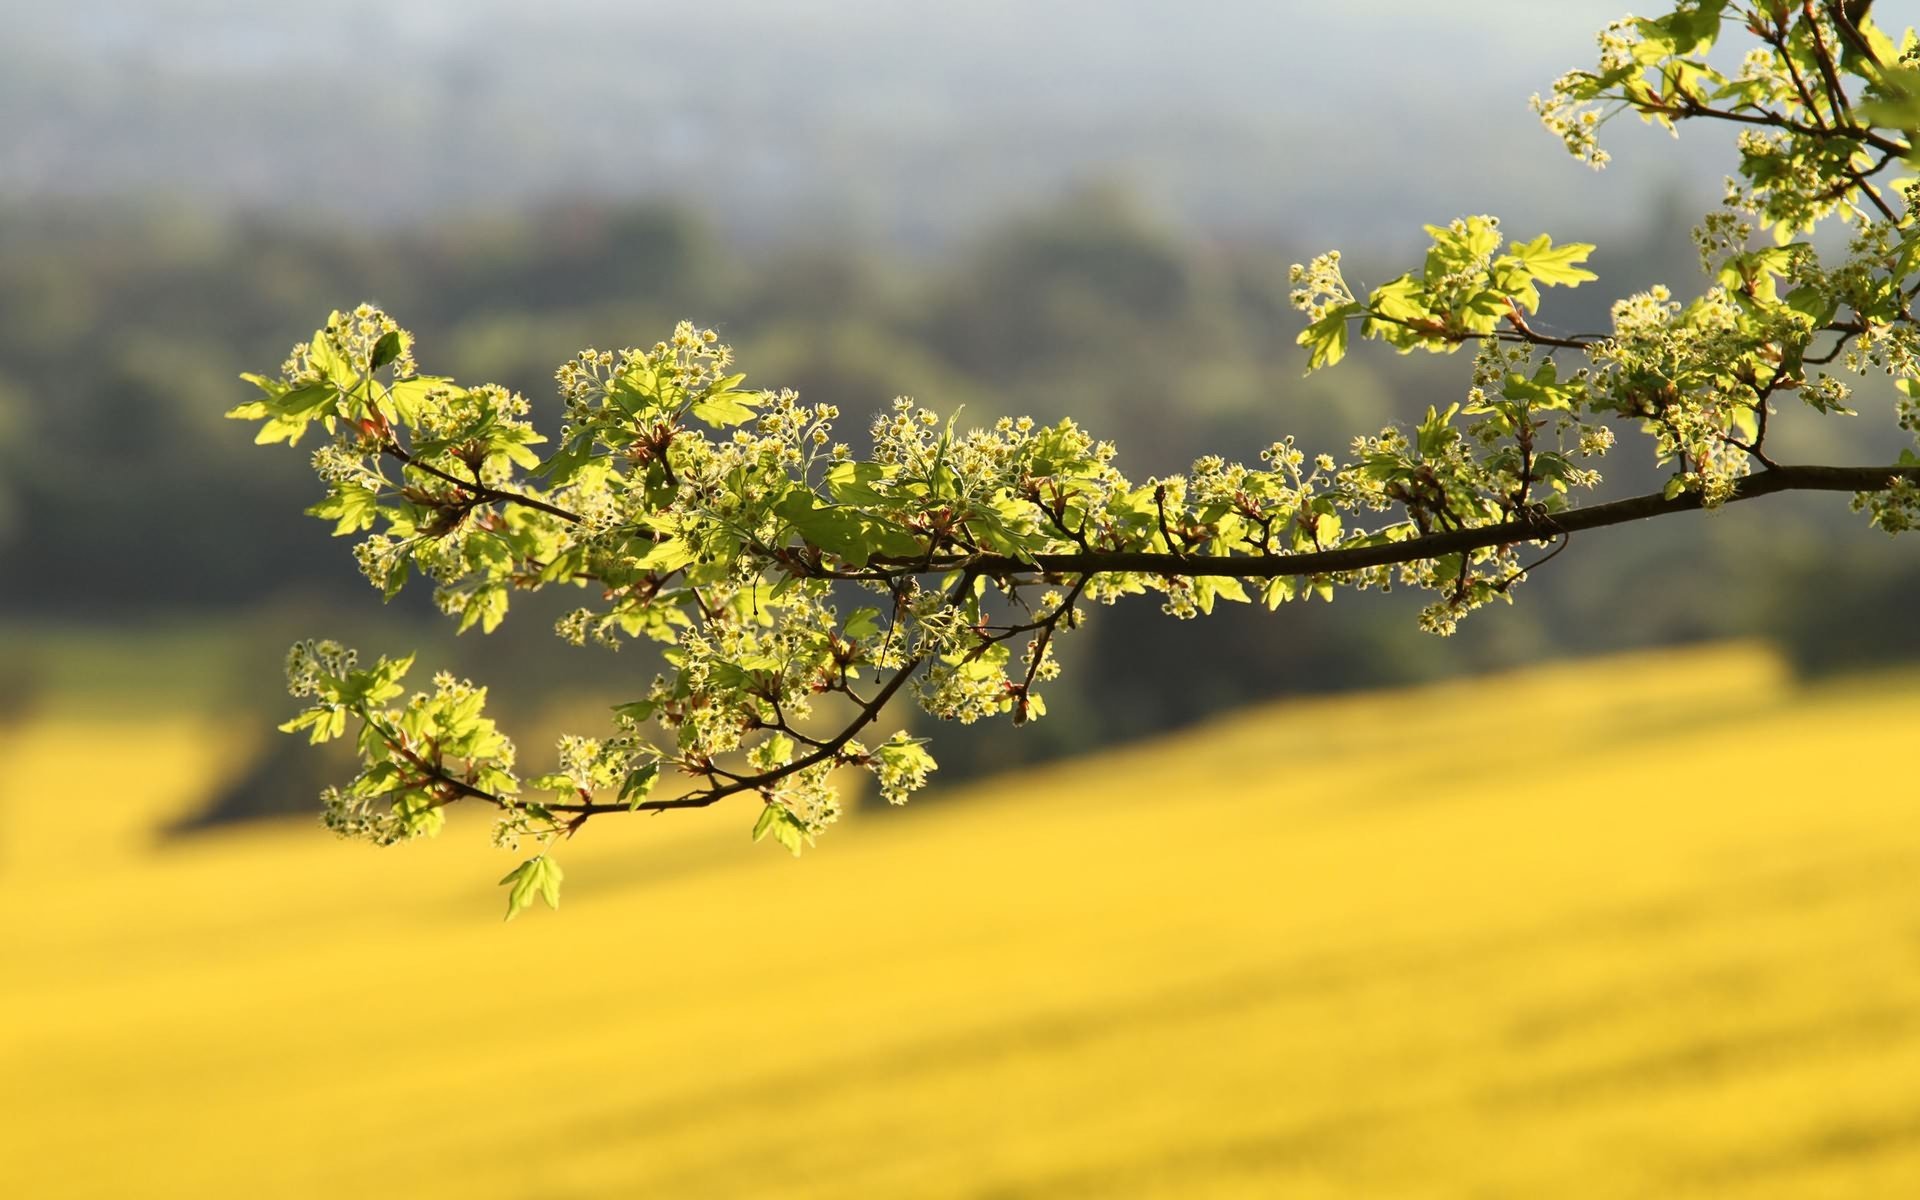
485 605
1326 339
396 577
1816 304
352 508
1557 266
327 361
1436 433
639 785
538 875
1210 588
767 817
1460 250
1402 299
783 825
863 622
323 723
566 462
778 748
669 555
550 878
633 393
637 710
723 410
839 531
1226 587
1691 28
419 814
409 396
386 350
1277 591
852 482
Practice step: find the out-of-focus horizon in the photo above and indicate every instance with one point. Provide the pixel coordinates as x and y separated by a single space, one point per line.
904 125
1062 210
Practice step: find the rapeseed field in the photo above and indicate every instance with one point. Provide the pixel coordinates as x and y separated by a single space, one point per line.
1640 927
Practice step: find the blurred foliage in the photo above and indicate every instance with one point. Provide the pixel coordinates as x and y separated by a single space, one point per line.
124 495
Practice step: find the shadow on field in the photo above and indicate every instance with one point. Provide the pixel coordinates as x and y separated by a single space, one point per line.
20 692
283 781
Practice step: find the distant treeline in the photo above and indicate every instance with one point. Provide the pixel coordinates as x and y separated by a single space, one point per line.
123 494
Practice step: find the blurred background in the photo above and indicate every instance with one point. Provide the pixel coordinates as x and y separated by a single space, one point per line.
1081 209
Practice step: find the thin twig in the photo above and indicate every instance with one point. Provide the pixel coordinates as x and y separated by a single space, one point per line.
498 495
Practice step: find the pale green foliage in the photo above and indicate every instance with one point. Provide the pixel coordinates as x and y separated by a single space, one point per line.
417 757
795 585
538 876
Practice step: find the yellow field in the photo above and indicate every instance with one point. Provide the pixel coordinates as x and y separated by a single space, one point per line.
1418 944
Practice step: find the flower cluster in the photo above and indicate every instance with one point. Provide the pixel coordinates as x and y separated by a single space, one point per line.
348 341
1319 287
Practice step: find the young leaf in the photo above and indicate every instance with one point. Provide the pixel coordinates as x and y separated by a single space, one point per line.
1555 265
863 622
783 825
386 350
723 410
639 784
538 875
1326 339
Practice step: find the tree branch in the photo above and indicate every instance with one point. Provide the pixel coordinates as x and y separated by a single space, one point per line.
1087 564
1439 545
497 495
1690 107
866 716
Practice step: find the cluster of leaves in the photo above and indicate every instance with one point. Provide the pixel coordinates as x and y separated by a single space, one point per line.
795 586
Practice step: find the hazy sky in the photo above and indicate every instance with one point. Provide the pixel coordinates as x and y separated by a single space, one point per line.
913 120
